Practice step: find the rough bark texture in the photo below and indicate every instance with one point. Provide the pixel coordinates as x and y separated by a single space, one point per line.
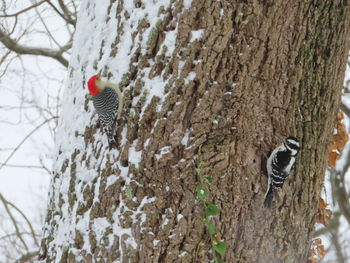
262 69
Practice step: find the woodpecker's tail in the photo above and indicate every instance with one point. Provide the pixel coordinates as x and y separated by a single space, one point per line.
269 196
112 137
112 142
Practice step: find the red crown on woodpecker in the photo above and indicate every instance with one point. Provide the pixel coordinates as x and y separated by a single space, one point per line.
93 89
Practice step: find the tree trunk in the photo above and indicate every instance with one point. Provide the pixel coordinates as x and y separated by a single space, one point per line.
210 87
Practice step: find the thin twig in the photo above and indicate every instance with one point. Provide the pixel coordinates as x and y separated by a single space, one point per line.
24 10
67 13
23 166
338 247
339 192
24 139
67 19
46 28
25 50
5 202
27 220
14 234
333 224
27 257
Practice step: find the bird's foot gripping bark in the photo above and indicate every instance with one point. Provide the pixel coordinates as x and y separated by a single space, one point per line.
112 142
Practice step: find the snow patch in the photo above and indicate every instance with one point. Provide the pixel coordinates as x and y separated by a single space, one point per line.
111 180
156 242
221 12
146 142
134 156
186 138
169 42
100 225
191 76
179 217
163 150
187 4
165 221
196 34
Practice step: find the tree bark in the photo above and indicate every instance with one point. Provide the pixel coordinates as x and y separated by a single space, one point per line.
240 75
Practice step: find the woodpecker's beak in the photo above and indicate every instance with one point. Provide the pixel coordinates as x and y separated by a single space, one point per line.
99 83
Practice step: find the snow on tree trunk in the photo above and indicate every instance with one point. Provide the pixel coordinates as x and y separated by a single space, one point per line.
205 82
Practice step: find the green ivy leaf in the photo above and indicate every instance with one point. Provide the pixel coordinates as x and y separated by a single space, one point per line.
205 221
201 163
211 210
211 229
202 193
208 180
220 248
198 170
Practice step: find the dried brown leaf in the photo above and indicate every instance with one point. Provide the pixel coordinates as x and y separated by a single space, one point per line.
332 157
323 203
340 116
339 140
323 216
317 251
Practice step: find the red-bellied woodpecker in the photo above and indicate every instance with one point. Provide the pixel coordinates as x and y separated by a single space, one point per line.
108 102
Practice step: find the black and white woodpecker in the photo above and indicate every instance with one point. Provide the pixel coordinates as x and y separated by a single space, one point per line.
108 102
279 165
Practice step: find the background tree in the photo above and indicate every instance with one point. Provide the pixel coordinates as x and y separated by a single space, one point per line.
209 86
34 36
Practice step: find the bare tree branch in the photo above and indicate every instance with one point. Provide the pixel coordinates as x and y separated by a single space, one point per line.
27 257
27 220
46 28
24 166
338 247
2 60
67 13
14 234
23 10
68 19
25 50
24 139
14 222
333 224
4 6
339 192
